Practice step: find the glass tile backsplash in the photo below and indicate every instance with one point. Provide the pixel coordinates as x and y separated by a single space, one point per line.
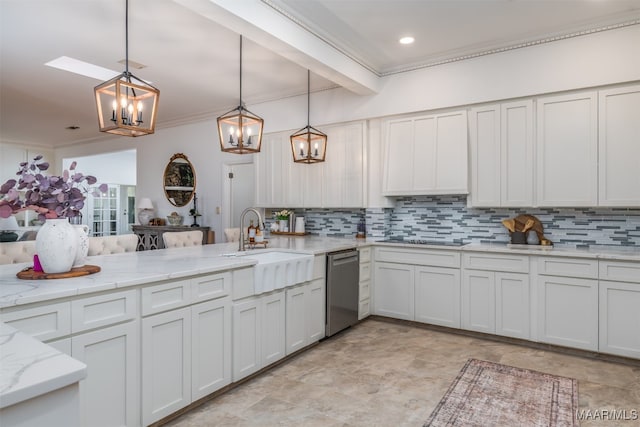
448 218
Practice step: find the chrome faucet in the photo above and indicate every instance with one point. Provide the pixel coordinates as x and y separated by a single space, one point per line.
242 215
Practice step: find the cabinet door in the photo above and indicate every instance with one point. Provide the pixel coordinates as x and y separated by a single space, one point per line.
478 301
516 153
394 290
166 364
620 318
425 146
296 314
619 146
567 150
112 356
451 163
512 305
437 296
484 132
211 347
398 166
342 177
247 330
273 327
568 311
265 171
316 302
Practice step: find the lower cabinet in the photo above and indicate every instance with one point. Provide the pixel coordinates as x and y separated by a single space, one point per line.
305 315
619 308
496 303
421 293
258 333
568 311
112 357
186 354
437 296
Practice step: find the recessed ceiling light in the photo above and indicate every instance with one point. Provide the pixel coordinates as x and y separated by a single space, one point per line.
407 40
83 68
72 127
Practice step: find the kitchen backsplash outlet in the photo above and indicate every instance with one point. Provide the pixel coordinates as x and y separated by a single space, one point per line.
447 218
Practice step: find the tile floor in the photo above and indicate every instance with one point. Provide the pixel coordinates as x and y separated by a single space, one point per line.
382 373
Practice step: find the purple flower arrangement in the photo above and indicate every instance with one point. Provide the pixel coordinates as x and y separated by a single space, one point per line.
51 196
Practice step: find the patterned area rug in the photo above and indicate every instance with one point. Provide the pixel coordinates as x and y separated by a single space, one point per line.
490 394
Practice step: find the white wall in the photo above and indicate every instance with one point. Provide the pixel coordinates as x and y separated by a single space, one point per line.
112 168
597 59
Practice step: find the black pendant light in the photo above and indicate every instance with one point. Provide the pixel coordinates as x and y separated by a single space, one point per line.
126 104
308 145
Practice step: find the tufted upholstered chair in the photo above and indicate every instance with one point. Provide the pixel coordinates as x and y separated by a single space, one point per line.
14 252
180 239
232 234
105 245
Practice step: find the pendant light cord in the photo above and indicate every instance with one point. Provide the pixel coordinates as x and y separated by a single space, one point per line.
308 97
126 38
241 71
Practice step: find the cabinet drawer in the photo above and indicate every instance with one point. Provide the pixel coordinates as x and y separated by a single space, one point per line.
365 255
211 286
44 323
494 262
103 310
165 297
364 309
365 272
365 290
620 270
568 267
419 257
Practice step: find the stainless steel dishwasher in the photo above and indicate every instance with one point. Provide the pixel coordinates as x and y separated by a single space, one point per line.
343 275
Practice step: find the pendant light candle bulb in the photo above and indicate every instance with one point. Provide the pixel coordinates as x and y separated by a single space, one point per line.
139 112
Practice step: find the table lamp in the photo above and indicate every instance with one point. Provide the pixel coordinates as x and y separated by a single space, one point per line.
145 211
8 228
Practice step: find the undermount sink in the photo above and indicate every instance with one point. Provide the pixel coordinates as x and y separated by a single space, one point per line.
276 270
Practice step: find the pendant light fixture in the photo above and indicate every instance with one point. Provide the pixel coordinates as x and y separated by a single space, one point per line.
126 104
308 145
239 130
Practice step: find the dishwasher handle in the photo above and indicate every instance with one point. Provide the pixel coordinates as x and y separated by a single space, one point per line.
343 257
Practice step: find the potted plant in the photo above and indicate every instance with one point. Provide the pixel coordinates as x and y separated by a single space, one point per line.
283 219
56 199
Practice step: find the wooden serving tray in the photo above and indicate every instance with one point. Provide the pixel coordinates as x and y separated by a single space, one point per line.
289 233
29 274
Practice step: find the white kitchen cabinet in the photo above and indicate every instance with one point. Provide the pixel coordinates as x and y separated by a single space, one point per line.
437 296
305 314
338 182
247 339
273 327
374 165
567 150
112 356
166 364
501 140
568 311
495 294
619 146
343 170
364 285
394 290
211 346
426 155
619 300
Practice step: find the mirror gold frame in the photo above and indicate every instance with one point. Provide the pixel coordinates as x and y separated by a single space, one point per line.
179 180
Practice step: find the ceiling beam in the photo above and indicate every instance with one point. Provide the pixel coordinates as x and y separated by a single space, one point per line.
267 27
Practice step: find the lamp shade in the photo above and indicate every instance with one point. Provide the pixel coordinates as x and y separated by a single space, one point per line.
9 224
145 203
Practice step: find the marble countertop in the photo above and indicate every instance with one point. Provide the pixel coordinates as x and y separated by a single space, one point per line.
30 368
619 253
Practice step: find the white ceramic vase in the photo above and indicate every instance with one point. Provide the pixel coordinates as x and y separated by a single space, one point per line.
82 230
57 245
283 225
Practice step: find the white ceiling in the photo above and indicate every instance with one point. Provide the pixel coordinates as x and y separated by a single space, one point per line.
191 49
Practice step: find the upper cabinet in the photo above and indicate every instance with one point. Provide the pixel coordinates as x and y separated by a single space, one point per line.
426 155
501 140
567 150
338 182
619 146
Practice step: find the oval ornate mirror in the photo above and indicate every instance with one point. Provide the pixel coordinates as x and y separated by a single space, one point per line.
179 180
